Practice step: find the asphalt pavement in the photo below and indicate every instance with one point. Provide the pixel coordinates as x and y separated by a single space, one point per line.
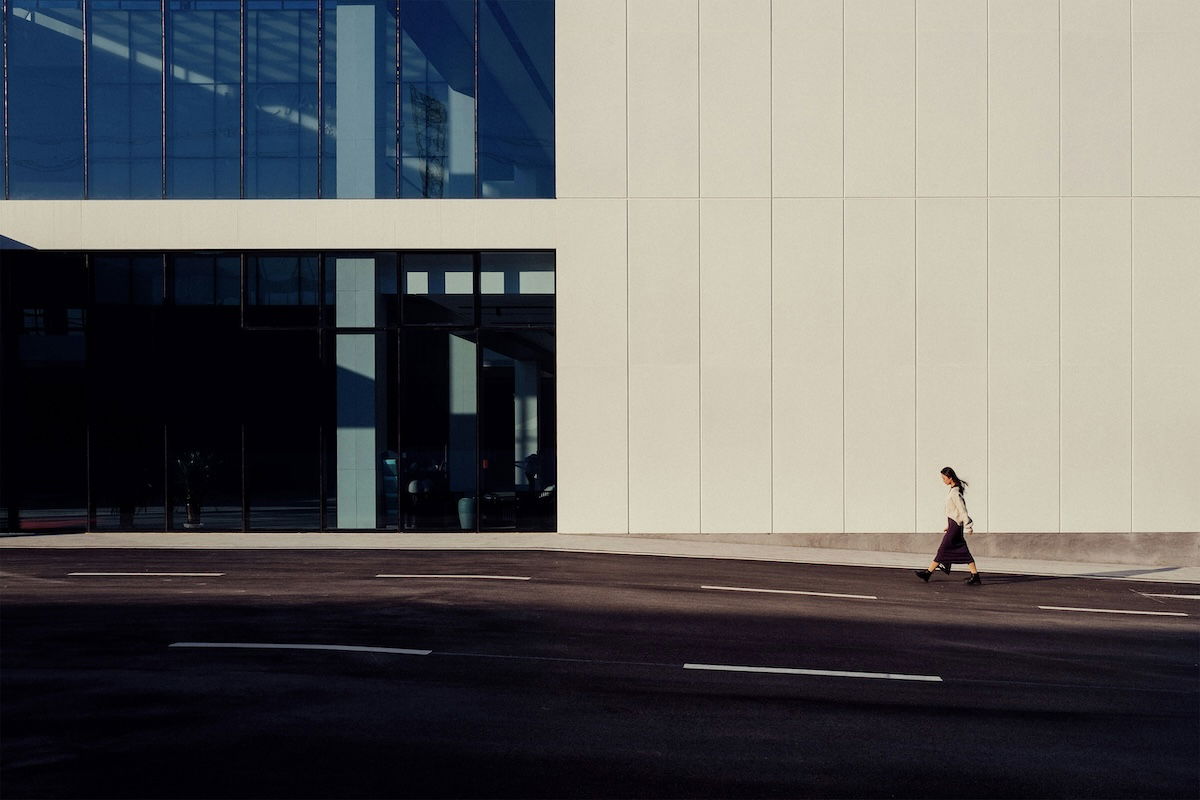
340 673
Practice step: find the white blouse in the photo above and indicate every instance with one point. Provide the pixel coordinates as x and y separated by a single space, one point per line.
956 507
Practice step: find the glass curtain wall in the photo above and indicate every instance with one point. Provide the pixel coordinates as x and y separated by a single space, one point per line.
204 99
278 98
43 124
278 391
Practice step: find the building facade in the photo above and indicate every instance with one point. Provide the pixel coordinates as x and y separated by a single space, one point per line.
602 266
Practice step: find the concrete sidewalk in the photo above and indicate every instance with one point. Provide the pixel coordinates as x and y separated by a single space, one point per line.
594 543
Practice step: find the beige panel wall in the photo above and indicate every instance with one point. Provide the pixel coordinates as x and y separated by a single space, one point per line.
593 369
952 98
735 98
806 365
1097 149
806 85
951 355
1023 366
590 97
735 366
1023 98
664 366
1166 371
1166 97
664 98
880 365
880 115
1097 423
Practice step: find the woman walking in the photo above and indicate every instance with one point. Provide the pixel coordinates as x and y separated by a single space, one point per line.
953 549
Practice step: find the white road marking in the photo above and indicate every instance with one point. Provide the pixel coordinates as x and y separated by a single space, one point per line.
791 591
893 676
148 574
1116 611
463 577
1172 596
266 646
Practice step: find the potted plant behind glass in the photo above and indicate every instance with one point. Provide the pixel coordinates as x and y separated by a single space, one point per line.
195 472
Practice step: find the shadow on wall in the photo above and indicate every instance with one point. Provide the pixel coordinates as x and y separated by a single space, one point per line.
7 243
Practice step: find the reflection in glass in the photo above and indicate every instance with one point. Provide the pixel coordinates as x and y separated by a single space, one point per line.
203 99
43 381
281 290
438 288
518 448
281 98
283 429
360 99
437 120
438 423
517 288
127 280
124 100
207 280
126 444
204 346
516 98
45 98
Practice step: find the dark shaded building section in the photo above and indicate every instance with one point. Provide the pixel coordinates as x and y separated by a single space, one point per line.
277 391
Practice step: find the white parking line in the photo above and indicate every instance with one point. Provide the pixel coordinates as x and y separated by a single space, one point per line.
892 676
791 591
1116 611
463 577
147 574
1172 596
267 646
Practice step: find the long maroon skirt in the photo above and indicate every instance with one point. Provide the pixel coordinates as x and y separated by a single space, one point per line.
953 549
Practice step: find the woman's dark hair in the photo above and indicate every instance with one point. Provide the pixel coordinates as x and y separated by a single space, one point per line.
959 482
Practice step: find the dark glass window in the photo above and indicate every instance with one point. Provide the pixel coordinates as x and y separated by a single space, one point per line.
281 98
207 280
438 288
282 291
516 98
437 97
153 390
127 280
516 288
45 99
203 98
125 99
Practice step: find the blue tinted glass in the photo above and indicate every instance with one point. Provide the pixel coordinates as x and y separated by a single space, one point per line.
203 280
125 101
360 99
281 99
127 280
437 96
45 99
516 98
203 98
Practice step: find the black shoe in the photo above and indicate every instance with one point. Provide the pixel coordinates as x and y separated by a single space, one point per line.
974 580
944 567
923 574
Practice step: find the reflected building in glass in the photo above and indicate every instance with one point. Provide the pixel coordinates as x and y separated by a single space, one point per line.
287 388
